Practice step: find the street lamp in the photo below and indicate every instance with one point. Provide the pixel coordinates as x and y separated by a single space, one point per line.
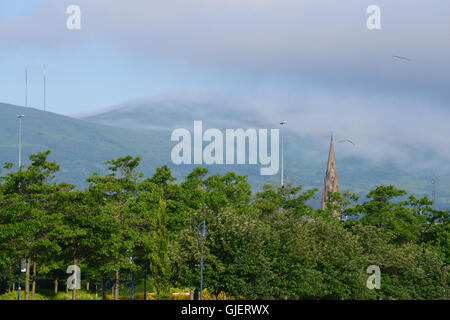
18 287
132 280
282 123
22 268
201 229
20 117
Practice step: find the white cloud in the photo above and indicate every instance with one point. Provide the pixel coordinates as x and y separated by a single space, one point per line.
325 42
391 108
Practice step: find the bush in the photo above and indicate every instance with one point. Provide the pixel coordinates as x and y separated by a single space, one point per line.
81 295
140 296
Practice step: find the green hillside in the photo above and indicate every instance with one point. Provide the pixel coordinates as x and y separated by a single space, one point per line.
79 147
305 158
82 146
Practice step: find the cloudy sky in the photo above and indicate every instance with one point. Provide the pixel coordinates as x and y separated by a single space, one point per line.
313 62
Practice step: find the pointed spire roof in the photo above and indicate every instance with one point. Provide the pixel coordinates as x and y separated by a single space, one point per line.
331 181
331 157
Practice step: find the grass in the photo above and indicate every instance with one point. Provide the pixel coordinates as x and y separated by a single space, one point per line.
13 296
44 294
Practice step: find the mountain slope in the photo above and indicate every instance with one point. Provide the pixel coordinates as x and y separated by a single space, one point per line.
79 147
305 156
82 146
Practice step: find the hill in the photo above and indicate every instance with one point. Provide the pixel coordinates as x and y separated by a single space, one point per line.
81 146
305 156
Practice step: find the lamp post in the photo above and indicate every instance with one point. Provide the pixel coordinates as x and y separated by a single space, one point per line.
18 288
201 229
22 268
20 117
145 284
434 192
44 72
282 123
132 281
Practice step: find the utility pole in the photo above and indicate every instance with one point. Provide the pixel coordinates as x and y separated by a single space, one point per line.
201 230
45 75
282 123
145 284
18 288
434 191
26 87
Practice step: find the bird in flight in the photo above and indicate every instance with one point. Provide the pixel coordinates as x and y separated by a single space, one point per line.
347 140
401 58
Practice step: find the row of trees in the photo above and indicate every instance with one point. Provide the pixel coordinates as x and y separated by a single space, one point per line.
270 244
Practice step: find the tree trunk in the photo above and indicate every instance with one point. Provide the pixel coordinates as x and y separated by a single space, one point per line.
33 286
74 290
27 281
116 287
104 287
224 296
14 286
9 283
56 287
87 286
191 294
145 285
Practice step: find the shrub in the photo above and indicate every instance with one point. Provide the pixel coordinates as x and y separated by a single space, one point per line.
81 295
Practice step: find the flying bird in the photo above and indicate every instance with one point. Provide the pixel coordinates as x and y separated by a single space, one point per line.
401 58
347 140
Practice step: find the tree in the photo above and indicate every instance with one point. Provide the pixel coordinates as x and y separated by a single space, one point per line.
233 253
407 270
116 197
271 201
395 217
29 221
159 258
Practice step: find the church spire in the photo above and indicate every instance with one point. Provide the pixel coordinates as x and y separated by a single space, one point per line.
331 181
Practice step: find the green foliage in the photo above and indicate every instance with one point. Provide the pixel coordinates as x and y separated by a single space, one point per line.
81 295
159 259
233 253
269 245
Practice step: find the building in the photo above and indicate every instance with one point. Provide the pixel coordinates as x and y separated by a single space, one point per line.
331 181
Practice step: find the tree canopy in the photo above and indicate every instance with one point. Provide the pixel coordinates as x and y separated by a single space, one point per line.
268 244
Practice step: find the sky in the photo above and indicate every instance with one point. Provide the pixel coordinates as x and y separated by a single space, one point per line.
314 62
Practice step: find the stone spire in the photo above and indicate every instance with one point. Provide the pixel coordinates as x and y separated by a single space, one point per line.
331 179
